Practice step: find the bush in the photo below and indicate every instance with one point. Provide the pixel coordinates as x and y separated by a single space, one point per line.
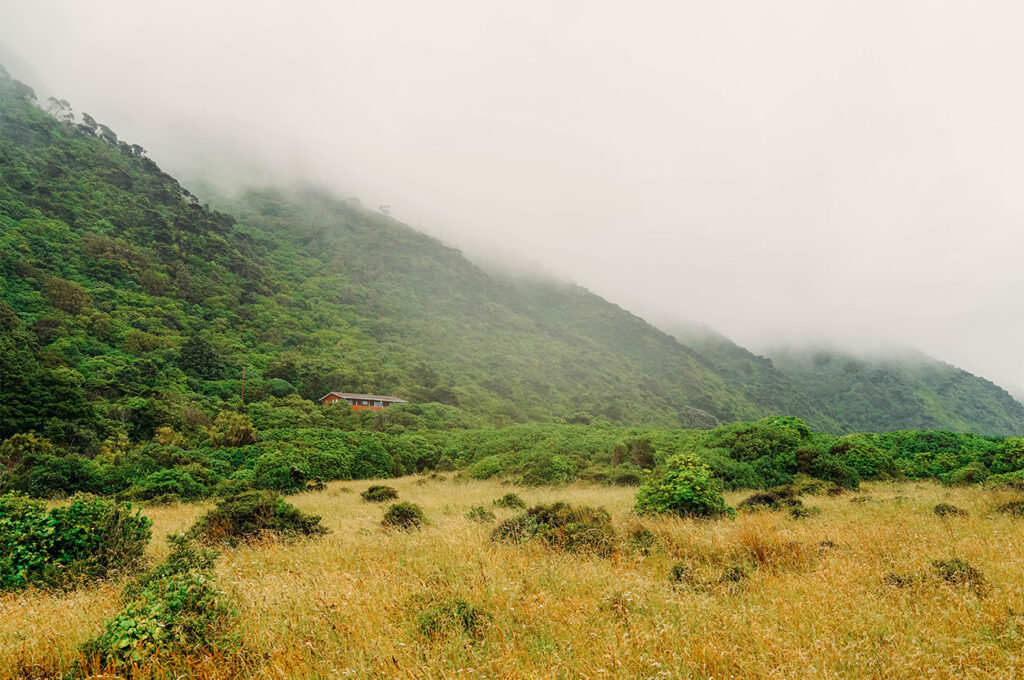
685 488
948 510
959 572
682 573
89 539
379 493
453 616
253 514
561 527
174 481
172 616
801 511
479 513
510 500
232 429
776 499
404 516
1013 508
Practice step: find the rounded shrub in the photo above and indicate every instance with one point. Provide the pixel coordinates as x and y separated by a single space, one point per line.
510 500
404 516
687 488
949 510
253 514
378 493
561 527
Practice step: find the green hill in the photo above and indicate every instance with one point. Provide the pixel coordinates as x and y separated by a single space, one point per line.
908 391
757 376
126 305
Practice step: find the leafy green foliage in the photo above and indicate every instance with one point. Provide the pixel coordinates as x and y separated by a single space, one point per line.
378 493
88 539
404 516
510 500
173 613
254 514
686 487
561 527
910 392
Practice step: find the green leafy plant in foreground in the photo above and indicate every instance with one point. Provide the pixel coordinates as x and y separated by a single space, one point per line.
90 538
174 614
687 487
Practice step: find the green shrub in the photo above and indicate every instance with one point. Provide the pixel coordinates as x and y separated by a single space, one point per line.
94 538
174 481
378 493
510 500
173 615
453 616
254 514
972 473
404 516
515 530
561 527
687 487
776 499
802 511
89 539
479 513
949 510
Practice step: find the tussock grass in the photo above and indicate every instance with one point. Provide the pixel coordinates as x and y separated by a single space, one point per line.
340 606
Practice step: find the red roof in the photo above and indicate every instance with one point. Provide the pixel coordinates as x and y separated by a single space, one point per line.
370 397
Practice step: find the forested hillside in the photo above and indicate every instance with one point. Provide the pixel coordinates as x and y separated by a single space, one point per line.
909 391
757 376
126 306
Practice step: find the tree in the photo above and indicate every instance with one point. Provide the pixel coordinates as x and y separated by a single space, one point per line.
687 487
199 358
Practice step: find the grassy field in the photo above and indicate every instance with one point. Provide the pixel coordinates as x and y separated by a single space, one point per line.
807 598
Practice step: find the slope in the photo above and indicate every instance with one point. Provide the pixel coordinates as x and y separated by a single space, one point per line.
127 306
900 391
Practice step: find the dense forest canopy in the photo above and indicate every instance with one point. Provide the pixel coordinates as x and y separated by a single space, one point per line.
130 312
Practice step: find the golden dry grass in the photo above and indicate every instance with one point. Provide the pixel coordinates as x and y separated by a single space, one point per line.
346 605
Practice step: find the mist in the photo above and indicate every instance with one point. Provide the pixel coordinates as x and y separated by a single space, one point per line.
842 172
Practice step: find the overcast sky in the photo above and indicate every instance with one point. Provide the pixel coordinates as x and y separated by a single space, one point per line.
781 171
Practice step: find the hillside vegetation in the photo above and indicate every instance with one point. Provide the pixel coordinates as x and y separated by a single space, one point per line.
125 305
909 391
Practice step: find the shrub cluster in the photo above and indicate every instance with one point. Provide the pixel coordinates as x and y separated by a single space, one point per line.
404 516
90 538
949 510
173 615
479 513
254 514
510 500
686 487
561 527
379 493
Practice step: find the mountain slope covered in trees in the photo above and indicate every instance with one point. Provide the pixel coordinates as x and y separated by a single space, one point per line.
126 305
901 391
